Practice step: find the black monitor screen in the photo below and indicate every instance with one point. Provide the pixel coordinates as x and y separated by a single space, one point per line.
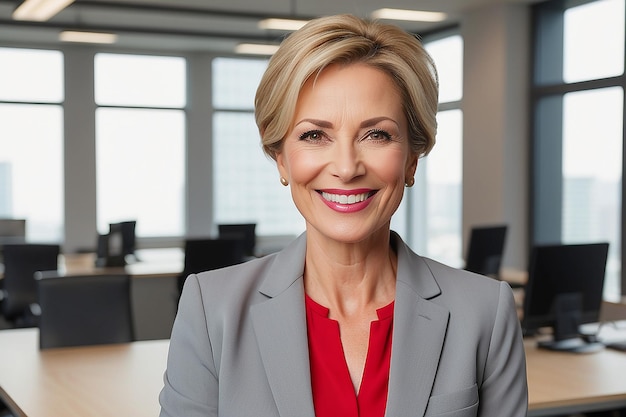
556 273
113 247
485 249
124 233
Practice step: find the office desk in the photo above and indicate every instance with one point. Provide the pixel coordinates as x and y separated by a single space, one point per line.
154 289
125 380
567 383
513 276
94 381
153 263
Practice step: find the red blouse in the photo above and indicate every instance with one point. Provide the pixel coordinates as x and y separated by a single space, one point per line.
333 392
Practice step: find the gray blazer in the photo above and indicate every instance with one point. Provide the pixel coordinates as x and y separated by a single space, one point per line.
239 343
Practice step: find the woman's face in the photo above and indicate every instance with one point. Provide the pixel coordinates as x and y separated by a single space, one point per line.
347 156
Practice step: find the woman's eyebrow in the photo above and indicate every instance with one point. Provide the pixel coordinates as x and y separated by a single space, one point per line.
364 123
316 122
375 120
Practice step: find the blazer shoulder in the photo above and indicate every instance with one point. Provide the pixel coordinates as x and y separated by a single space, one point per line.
432 279
235 280
447 275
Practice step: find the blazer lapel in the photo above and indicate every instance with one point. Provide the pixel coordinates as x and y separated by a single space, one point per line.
418 335
280 328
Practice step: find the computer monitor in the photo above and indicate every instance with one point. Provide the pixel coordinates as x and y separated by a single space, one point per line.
244 231
564 290
115 246
485 249
127 230
109 252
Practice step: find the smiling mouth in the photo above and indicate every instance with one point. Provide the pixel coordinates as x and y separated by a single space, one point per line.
346 199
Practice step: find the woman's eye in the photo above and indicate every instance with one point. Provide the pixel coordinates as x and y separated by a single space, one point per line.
379 135
312 135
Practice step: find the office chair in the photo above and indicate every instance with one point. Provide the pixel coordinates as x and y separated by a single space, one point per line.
245 231
21 261
83 310
206 254
485 250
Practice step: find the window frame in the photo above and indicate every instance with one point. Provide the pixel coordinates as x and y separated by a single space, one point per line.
546 101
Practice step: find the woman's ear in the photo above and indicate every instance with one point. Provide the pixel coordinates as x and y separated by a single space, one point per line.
411 165
280 164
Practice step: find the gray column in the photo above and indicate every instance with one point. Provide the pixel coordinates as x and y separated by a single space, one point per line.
199 150
496 123
80 150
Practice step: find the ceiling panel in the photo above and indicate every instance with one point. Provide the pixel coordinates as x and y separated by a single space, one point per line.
209 25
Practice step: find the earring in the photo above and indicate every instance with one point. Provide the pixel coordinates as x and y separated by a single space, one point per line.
284 181
410 182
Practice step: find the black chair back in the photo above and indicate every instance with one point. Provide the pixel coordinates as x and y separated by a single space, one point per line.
207 254
81 310
21 261
245 231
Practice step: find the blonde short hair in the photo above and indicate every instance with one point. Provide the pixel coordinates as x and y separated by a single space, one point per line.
346 39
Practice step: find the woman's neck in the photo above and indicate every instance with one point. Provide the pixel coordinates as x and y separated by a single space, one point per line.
350 278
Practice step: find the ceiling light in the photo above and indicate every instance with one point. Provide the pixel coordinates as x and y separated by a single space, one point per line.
412 15
256 49
40 10
87 37
281 24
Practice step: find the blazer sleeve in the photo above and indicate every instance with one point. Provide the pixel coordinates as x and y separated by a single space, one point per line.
504 391
190 380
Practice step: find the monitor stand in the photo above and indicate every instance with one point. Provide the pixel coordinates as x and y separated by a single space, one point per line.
566 337
573 344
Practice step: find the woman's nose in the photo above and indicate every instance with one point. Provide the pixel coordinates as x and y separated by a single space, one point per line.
347 161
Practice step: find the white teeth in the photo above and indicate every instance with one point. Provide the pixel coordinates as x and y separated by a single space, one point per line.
345 199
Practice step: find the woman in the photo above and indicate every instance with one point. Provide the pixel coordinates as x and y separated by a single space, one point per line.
347 320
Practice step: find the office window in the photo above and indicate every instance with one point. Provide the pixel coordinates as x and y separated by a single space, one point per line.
31 75
140 142
447 53
592 172
444 171
594 41
140 81
245 181
435 202
31 140
579 128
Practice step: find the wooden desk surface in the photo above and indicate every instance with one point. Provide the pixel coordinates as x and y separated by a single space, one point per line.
125 380
569 383
95 381
151 263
